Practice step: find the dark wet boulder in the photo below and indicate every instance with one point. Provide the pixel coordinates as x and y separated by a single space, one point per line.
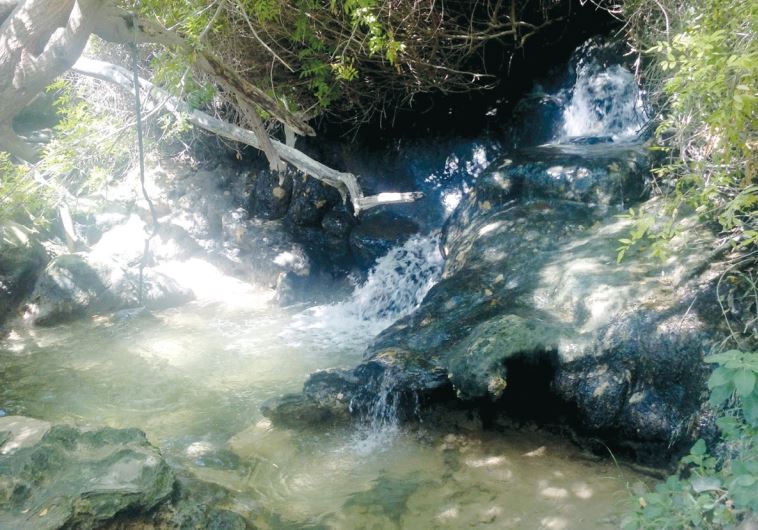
56 476
21 260
311 200
377 233
531 288
74 285
270 194
601 178
338 222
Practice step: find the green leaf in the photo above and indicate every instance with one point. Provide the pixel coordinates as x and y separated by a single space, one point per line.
719 377
699 448
701 484
720 394
744 382
750 409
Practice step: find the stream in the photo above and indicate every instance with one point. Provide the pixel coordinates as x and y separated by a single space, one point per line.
193 379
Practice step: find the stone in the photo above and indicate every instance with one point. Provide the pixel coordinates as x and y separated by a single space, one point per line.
21 259
76 285
377 233
311 200
270 195
531 279
56 476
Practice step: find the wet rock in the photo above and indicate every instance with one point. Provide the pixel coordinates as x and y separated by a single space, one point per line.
338 222
21 260
270 194
531 278
194 504
55 476
602 178
311 199
377 390
377 233
76 285
294 410
290 288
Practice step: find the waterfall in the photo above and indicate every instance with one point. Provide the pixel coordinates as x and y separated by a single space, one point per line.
395 286
605 100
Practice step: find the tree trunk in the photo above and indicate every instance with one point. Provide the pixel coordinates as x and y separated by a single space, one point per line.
39 41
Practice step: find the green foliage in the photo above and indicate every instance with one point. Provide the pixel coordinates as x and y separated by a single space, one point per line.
22 199
648 232
89 145
172 72
710 491
707 75
351 57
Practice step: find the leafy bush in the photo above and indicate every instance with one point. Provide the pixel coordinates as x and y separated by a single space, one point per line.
90 145
702 71
716 489
352 57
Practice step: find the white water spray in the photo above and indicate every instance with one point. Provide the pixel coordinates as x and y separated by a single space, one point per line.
395 287
605 100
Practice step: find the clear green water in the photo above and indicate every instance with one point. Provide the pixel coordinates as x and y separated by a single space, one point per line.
193 379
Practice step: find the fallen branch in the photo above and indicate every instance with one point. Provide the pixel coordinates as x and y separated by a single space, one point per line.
345 183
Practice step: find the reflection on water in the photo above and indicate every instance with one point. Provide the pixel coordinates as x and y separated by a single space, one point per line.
193 378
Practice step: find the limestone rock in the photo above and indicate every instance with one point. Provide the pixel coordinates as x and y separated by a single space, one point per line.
74 285
531 277
56 476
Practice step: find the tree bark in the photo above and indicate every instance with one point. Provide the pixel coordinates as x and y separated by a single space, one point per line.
39 41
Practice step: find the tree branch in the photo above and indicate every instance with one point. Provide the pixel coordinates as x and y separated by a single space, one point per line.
345 183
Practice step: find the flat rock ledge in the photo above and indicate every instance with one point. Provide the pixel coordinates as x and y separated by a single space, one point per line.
58 476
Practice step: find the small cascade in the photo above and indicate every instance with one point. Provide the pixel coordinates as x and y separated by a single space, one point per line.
380 422
399 281
395 287
382 416
605 100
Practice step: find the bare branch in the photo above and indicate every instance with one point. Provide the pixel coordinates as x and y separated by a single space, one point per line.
345 183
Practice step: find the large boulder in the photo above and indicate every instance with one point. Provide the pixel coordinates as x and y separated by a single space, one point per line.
21 259
56 476
533 308
311 199
76 285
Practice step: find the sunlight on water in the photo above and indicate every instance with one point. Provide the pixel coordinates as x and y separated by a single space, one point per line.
193 379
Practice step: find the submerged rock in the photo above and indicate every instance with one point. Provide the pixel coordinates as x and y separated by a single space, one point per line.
56 476
21 259
531 277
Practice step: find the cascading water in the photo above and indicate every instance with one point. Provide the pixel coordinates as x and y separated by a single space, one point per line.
605 100
395 286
